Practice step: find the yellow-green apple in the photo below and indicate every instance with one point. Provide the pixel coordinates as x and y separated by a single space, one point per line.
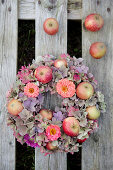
98 50
93 112
14 107
84 90
60 62
51 26
46 113
71 126
43 74
94 22
49 146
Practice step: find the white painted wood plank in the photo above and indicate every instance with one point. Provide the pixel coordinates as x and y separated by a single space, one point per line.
97 152
46 44
27 9
8 60
75 14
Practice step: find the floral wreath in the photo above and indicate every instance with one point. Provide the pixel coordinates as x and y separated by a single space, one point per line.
65 128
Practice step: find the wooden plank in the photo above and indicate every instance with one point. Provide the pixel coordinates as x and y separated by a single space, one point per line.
27 9
97 153
8 60
46 44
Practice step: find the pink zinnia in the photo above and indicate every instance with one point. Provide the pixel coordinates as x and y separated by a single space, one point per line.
53 132
31 90
65 88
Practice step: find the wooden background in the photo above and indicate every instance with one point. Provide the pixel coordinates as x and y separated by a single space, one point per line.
97 152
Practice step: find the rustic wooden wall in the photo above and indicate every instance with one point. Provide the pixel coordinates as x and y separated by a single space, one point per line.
27 9
97 152
8 66
46 44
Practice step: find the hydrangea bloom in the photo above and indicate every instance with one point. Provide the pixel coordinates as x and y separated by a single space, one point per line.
76 77
30 141
65 88
53 132
25 74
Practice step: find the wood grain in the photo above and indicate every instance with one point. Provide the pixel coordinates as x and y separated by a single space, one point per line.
27 9
97 152
46 44
8 60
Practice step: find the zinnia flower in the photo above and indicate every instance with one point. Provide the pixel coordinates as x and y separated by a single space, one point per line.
30 141
65 88
31 90
53 132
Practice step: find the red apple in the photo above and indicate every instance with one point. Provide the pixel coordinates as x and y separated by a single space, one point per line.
97 50
43 74
81 140
14 107
93 112
46 114
51 26
84 90
71 126
49 146
60 62
94 22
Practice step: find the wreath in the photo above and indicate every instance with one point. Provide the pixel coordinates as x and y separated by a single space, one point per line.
66 127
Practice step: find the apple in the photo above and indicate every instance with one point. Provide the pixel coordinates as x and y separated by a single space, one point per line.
43 74
93 112
71 126
46 114
81 140
94 22
60 62
97 50
14 107
49 146
51 26
84 90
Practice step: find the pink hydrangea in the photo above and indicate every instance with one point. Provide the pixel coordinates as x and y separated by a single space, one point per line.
18 137
25 74
71 110
65 88
76 77
64 56
30 141
31 90
53 132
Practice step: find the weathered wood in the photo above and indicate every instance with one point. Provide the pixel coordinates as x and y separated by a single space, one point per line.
97 152
46 44
27 9
8 60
